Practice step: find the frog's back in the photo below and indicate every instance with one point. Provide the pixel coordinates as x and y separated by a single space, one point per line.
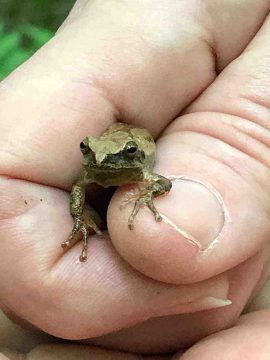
117 127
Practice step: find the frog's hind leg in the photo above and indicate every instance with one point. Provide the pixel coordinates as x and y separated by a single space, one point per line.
89 227
84 227
159 185
85 220
79 229
77 200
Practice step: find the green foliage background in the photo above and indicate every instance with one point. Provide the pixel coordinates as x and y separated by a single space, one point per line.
25 25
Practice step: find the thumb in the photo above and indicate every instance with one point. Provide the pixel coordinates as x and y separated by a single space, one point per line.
215 216
220 195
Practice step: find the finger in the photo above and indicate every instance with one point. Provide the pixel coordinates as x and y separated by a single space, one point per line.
261 295
3 357
18 339
220 195
242 89
249 339
169 334
90 75
58 294
14 341
261 300
73 352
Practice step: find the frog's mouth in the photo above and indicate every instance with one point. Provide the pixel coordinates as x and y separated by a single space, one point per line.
104 169
106 166
110 169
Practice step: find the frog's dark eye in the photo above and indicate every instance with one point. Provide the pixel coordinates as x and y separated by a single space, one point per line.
84 147
131 149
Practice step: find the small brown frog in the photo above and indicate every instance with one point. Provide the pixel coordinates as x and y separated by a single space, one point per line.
124 154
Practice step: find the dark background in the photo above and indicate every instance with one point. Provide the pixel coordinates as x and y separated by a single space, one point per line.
25 25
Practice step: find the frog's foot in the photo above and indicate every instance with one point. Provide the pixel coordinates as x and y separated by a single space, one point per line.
76 228
133 194
144 199
89 226
85 226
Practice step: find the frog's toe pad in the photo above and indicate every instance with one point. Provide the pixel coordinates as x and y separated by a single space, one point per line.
130 224
83 258
65 244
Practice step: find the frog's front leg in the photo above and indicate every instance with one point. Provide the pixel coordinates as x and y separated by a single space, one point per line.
158 185
82 217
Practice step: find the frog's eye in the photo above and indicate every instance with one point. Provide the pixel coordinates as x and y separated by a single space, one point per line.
131 149
84 146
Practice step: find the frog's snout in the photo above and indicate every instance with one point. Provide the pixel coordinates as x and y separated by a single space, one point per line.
93 159
89 158
99 158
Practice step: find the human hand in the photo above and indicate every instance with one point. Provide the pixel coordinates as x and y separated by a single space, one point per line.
17 343
144 63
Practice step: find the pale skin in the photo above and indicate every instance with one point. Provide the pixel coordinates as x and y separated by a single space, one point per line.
123 155
198 81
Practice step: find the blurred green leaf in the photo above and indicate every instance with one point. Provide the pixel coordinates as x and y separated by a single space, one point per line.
48 14
9 42
15 59
25 26
38 36
1 28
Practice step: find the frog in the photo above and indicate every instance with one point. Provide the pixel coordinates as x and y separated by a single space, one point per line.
123 154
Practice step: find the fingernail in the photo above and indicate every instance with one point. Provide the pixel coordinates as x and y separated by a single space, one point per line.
205 295
199 213
206 303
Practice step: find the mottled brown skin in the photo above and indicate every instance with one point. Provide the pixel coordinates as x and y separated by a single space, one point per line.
122 155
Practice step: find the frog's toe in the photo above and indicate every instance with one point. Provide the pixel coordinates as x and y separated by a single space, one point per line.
65 244
158 217
83 257
130 225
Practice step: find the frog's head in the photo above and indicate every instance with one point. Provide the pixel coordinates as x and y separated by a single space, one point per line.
113 153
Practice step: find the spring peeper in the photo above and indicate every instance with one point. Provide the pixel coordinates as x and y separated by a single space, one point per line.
124 154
